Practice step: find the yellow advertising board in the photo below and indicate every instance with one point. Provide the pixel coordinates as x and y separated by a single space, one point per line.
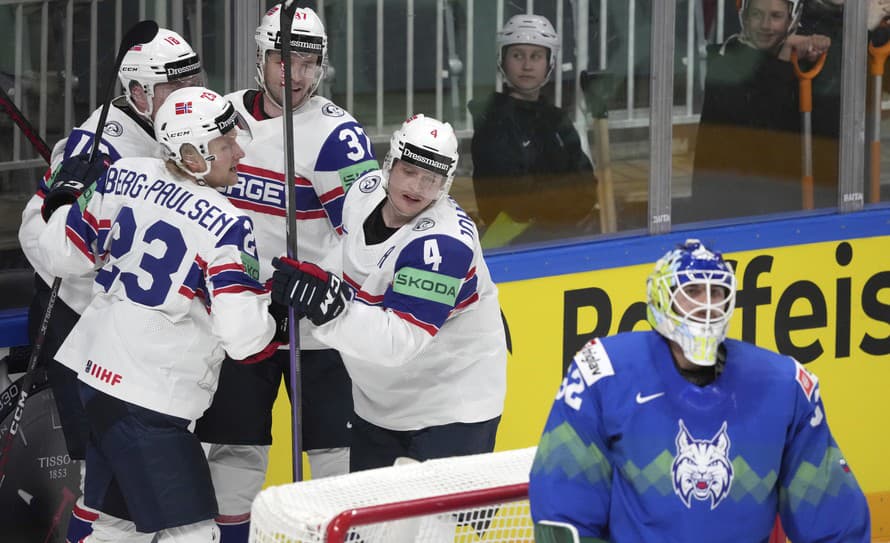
835 318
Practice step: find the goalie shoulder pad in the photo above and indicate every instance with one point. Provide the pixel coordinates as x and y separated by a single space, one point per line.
593 362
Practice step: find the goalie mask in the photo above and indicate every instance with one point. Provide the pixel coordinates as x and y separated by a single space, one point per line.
530 30
195 116
755 23
308 37
168 58
426 143
684 307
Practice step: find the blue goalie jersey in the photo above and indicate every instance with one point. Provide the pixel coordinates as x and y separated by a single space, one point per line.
632 451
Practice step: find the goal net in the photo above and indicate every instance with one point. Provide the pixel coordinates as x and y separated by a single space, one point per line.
479 498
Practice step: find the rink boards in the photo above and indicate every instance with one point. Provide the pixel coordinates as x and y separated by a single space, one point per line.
816 287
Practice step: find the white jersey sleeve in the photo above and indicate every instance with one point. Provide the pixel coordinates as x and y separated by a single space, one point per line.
177 284
126 134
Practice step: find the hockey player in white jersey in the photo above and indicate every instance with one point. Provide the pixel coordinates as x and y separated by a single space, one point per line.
176 289
416 314
149 73
331 150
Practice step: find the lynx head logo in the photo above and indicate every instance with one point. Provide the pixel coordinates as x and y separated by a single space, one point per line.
702 469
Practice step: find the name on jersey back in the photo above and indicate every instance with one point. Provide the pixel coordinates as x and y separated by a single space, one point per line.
170 195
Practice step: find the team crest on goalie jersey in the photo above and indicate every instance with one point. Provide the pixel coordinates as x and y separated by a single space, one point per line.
702 469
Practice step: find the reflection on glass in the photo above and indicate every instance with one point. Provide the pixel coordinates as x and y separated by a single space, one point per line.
765 143
532 181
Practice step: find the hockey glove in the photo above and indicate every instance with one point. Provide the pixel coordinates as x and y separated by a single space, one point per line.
279 313
281 337
312 291
76 177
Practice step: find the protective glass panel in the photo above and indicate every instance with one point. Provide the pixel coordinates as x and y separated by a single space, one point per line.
755 140
531 150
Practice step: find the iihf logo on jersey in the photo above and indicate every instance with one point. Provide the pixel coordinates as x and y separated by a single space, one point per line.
332 110
369 183
702 469
102 374
424 224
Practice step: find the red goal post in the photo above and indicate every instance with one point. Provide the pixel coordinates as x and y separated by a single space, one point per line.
462 499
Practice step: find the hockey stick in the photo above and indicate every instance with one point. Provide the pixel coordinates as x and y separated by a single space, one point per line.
26 127
141 32
288 9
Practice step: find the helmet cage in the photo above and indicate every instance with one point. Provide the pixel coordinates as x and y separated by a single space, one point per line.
697 326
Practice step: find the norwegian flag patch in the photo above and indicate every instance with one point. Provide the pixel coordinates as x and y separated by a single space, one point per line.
183 108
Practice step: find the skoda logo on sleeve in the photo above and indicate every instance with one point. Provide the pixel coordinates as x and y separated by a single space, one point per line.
368 184
424 224
332 110
113 128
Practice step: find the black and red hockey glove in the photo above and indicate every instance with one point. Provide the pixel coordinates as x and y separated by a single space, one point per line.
312 291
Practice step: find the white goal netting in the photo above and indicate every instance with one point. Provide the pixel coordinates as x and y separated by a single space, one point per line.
462 499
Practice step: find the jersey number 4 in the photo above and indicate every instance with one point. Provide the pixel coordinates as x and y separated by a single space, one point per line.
155 270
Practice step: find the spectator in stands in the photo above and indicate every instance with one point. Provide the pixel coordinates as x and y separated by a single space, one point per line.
748 149
531 178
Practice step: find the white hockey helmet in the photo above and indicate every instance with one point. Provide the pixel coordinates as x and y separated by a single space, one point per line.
532 30
700 330
307 36
168 57
426 143
795 9
195 116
